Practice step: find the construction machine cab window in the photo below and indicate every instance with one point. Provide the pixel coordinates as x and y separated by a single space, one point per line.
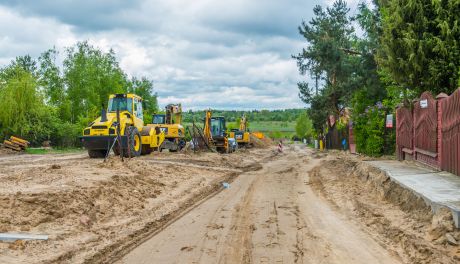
217 127
138 107
159 119
122 103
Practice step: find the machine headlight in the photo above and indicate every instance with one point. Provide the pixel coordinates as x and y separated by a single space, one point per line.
86 132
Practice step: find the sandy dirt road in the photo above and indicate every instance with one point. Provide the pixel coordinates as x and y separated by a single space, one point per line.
267 216
92 209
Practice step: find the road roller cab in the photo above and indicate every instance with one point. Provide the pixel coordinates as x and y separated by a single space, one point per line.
121 128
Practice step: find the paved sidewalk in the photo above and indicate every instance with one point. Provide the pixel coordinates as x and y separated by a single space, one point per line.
438 189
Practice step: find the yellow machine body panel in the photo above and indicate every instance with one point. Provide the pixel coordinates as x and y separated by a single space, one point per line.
151 138
130 115
241 135
241 138
170 123
102 132
170 130
214 131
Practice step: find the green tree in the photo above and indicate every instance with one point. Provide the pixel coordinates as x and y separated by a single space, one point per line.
50 77
27 63
420 44
44 101
51 80
144 88
23 111
371 90
90 77
327 57
304 126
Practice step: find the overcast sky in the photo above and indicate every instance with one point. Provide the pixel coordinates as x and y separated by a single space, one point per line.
233 54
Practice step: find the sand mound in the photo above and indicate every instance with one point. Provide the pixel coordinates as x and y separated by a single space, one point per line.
261 143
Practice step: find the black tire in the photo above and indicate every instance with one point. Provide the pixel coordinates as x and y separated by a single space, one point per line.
97 153
146 150
221 150
134 141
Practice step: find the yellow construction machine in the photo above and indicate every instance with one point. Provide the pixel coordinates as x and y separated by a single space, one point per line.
215 133
242 134
171 124
121 128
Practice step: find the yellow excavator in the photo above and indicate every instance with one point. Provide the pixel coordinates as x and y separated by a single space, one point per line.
242 134
121 128
215 134
171 124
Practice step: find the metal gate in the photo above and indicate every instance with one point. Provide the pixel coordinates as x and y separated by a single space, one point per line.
404 133
451 133
425 130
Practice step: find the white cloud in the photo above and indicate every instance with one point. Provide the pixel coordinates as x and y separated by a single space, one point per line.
203 53
29 35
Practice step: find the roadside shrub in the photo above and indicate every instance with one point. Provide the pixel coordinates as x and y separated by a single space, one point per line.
66 135
374 145
370 135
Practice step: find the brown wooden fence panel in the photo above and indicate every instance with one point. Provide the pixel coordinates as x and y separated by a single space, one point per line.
404 133
425 129
426 123
450 108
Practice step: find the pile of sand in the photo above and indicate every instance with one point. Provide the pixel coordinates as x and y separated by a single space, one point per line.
261 143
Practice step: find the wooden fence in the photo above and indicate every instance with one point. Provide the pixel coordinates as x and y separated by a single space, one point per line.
404 133
450 133
429 131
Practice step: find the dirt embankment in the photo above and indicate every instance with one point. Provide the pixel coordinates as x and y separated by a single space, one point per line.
262 142
91 209
397 218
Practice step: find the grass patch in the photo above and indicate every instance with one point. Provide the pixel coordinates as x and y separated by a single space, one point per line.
272 129
53 151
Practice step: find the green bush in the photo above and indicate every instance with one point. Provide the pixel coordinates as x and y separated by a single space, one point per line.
369 129
374 145
66 135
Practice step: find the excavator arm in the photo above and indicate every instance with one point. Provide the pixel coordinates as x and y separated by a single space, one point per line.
207 127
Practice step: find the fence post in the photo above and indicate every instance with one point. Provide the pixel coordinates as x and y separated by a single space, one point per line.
415 101
439 98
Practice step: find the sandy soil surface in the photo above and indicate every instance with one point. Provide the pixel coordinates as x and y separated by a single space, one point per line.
396 218
267 216
91 209
299 206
